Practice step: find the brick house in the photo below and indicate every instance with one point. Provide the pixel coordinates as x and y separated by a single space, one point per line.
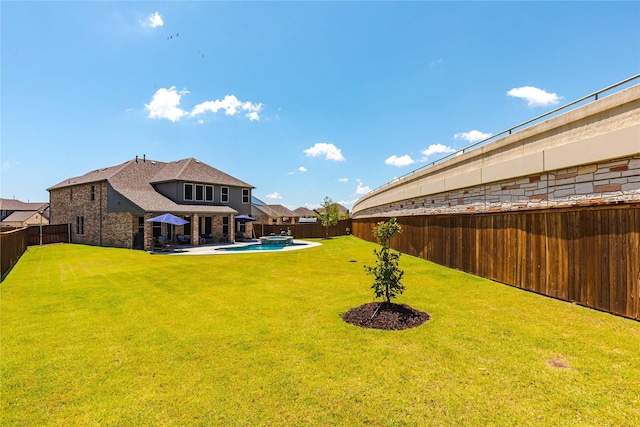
271 214
16 213
110 206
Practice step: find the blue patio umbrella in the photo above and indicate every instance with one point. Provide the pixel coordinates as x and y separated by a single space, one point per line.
169 219
243 218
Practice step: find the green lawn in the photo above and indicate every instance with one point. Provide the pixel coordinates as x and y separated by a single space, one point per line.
98 336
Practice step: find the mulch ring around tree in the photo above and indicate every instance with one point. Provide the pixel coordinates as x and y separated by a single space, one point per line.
387 316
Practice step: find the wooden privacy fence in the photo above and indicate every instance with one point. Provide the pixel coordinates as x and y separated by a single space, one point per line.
304 231
590 256
14 243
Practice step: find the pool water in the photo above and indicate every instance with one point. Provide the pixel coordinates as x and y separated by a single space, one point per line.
258 248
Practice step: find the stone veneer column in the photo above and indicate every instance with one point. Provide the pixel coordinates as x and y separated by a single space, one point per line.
195 231
148 232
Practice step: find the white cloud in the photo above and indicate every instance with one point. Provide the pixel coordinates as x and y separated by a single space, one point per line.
437 149
274 196
302 169
362 189
399 161
535 97
472 136
343 180
347 203
231 105
164 104
153 21
329 151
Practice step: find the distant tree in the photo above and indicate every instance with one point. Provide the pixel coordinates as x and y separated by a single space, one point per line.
329 214
386 272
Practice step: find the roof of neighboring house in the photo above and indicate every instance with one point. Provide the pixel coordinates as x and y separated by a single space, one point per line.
341 209
134 178
275 210
17 205
20 216
302 212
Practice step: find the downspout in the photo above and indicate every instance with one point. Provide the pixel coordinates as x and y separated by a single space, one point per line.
100 214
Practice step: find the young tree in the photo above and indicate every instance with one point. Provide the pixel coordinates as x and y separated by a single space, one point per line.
329 214
386 272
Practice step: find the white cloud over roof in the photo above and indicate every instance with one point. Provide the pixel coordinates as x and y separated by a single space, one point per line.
165 105
274 196
231 105
329 151
535 97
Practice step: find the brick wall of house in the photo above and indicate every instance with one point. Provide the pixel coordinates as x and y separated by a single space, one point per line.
595 184
100 227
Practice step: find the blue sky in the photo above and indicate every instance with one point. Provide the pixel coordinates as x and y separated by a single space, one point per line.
302 100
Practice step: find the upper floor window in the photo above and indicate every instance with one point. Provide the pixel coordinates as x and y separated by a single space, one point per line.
245 196
93 192
224 194
208 193
71 193
199 192
188 192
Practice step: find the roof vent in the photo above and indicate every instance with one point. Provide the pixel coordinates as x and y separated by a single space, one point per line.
152 162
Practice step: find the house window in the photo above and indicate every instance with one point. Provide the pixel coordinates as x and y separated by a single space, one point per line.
224 194
205 225
245 196
208 193
187 226
225 225
79 225
188 191
141 224
71 193
93 192
199 192
157 229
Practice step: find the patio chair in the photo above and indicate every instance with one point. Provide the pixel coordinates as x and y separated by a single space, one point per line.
159 243
182 239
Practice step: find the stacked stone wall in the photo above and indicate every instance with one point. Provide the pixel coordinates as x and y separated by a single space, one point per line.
615 181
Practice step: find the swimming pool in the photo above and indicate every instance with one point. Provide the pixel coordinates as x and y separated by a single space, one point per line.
257 247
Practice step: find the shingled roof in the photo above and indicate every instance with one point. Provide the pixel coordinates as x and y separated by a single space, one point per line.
194 170
134 178
275 210
18 205
302 212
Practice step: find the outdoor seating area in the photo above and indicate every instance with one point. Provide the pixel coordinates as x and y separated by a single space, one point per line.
160 244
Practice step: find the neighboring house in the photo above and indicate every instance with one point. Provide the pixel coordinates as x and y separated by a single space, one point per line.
305 215
271 214
15 213
110 206
342 211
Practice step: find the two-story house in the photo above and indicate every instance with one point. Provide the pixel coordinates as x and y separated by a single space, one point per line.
110 206
16 213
